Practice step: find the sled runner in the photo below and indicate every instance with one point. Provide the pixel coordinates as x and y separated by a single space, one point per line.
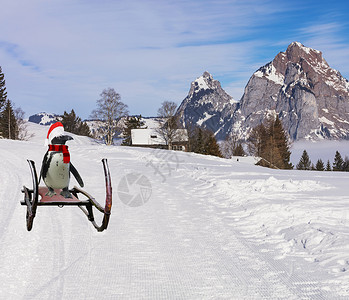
36 197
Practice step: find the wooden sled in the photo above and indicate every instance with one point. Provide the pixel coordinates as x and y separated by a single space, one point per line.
36 197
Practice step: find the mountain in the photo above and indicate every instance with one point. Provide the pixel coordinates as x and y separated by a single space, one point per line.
207 105
310 98
44 118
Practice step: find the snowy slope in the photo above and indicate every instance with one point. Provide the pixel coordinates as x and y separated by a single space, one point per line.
208 228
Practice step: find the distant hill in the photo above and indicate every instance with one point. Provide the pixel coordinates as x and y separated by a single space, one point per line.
44 118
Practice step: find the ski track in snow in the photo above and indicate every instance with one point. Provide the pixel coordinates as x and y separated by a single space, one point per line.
212 228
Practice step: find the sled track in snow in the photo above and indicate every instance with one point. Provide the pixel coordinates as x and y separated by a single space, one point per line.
9 177
266 277
182 244
51 262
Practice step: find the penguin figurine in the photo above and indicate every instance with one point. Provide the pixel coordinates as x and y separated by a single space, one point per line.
56 166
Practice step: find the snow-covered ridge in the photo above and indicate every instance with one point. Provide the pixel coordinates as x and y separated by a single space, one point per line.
44 118
304 48
270 72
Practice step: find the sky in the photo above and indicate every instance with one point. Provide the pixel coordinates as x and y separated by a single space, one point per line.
60 55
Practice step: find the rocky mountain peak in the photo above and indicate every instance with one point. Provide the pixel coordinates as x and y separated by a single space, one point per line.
296 52
303 90
203 83
310 98
207 105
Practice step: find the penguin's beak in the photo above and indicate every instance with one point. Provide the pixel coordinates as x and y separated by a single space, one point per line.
61 140
67 137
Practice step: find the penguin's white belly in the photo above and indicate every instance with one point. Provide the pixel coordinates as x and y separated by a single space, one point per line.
57 176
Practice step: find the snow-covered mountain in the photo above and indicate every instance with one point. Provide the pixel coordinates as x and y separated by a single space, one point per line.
310 97
208 106
209 228
44 118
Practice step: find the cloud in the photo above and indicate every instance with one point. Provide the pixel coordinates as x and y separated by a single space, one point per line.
59 55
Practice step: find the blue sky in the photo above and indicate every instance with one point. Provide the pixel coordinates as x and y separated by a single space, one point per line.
59 55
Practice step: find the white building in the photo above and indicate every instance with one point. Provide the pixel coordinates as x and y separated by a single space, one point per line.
151 138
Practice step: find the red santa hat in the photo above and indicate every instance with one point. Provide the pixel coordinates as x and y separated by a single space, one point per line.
55 130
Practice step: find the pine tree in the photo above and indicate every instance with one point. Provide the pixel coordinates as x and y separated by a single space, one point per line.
131 123
211 147
196 140
338 162
3 93
203 141
328 166
239 150
8 123
3 98
280 142
84 129
304 162
73 124
320 165
69 121
271 143
346 164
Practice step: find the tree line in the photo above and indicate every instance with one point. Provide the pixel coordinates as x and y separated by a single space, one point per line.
339 164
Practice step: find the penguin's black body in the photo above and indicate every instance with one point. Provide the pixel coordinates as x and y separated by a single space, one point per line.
55 172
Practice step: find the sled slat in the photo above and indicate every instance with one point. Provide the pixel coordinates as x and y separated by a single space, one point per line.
56 198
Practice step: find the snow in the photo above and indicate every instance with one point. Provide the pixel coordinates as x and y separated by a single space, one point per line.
151 123
202 84
233 101
206 117
325 120
304 48
211 228
44 118
271 73
340 120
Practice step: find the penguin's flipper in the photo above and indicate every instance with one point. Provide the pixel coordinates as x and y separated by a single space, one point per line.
44 167
76 175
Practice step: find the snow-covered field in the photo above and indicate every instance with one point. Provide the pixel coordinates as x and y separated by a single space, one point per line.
183 226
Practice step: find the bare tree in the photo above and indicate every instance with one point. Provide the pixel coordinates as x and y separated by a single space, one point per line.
22 130
109 110
229 145
168 122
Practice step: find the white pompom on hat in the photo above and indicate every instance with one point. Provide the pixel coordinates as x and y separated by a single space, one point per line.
55 130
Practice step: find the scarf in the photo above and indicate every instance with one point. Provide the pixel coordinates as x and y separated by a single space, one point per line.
61 148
